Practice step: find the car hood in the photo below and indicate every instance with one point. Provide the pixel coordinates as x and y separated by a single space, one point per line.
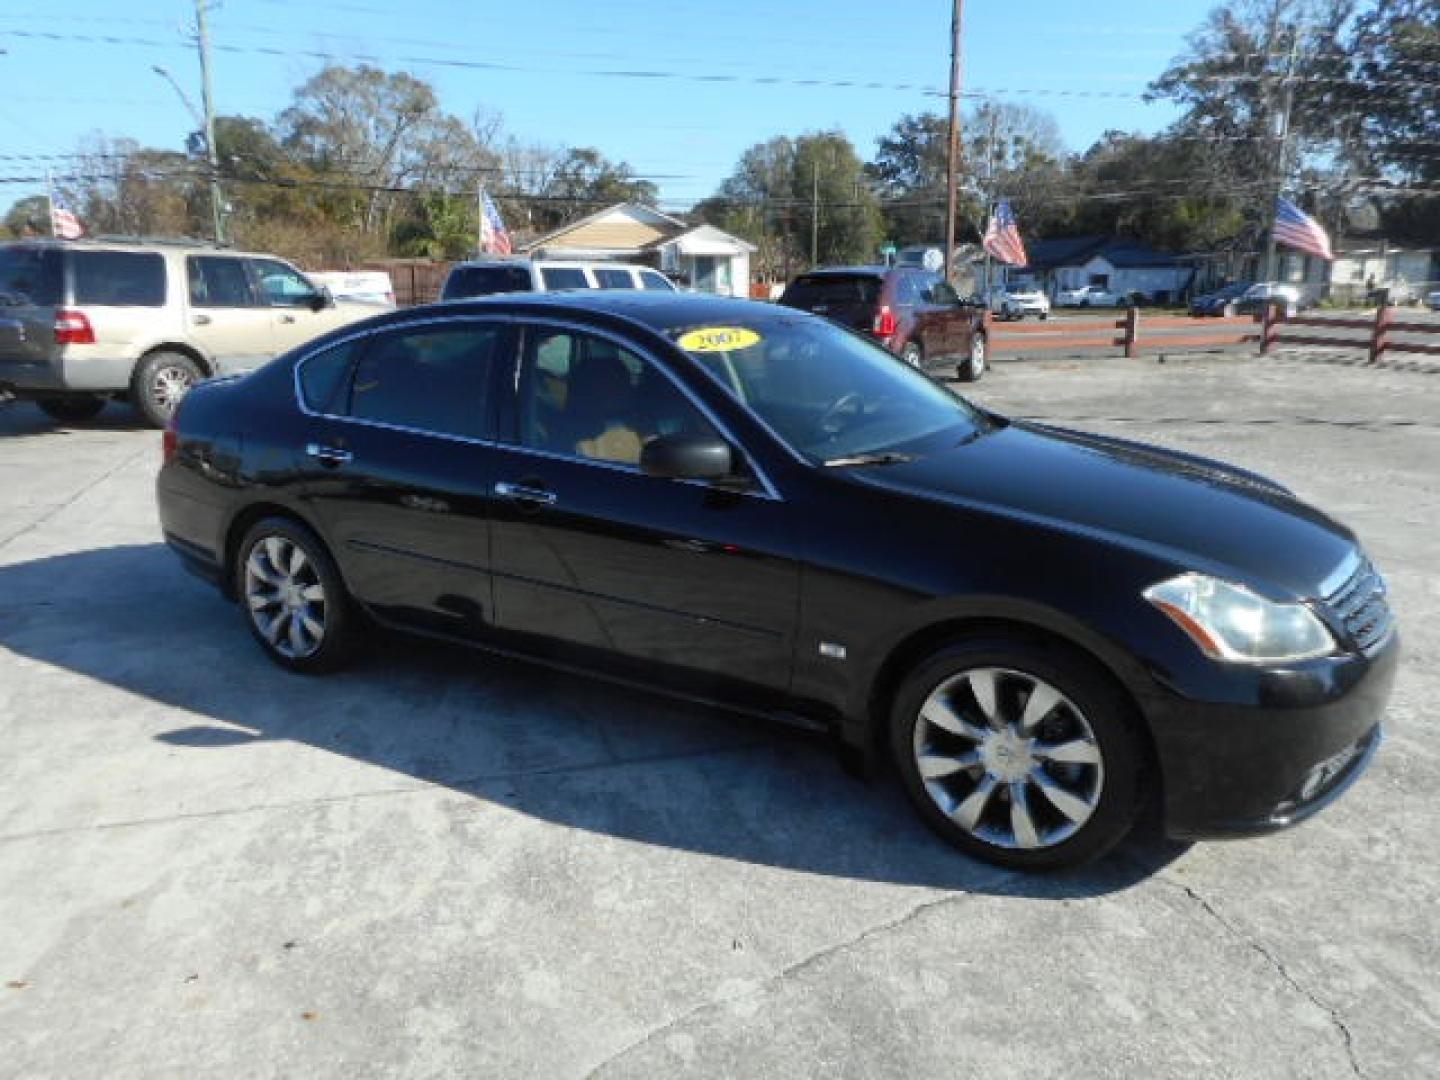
1196 512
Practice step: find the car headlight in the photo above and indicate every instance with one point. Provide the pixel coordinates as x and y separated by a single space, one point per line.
1229 622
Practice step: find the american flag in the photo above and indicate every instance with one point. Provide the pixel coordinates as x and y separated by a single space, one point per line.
1297 229
493 237
64 223
1002 237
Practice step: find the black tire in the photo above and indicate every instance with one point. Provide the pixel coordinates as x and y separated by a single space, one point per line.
914 355
1095 700
335 612
973 366
160 381
72 409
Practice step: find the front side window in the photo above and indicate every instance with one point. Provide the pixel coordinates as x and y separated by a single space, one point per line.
612 277
586 397
29 276
219 281
118 278
281 285
654 282
829 393
563 277
430 380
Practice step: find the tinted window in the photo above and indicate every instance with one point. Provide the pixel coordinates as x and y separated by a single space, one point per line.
611 277
586 397
29 275
907 290
118 278
219 281
655 282
485 280
434 380
833 289
281 285
322 376
563 277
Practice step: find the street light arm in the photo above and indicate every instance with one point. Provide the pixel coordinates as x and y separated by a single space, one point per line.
184 97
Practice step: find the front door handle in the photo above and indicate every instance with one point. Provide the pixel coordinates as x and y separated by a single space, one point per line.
331 456
521 494
202 320
287 318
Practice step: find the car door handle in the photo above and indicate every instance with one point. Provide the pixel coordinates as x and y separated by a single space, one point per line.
521 494
287 318
329 455
202 320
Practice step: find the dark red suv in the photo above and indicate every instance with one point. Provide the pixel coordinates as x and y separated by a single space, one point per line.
912 312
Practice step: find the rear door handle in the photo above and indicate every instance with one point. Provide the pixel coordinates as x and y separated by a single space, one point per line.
287 318
202 320
329 455
521 494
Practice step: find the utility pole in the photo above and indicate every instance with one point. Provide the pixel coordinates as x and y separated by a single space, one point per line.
217 201
952 169
990 183
1282 140
815 214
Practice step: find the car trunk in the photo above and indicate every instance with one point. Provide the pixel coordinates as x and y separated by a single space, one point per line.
849 299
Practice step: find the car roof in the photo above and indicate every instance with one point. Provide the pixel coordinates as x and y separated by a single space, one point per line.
851 271
658 311
180 247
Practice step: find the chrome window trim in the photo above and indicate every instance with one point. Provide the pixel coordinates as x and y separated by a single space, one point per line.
770 492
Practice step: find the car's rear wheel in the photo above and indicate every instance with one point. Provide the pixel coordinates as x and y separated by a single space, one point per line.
293 597
913 355
1018 753
973 366
160 383
72 408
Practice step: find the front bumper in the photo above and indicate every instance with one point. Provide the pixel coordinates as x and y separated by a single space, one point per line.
1236 770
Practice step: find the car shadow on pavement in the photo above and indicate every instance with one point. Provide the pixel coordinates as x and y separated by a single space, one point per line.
564 749
22 418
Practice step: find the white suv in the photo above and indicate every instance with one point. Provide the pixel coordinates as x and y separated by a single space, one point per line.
84 322
485 277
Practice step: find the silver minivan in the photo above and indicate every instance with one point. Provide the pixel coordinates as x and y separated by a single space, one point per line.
84 322
485 277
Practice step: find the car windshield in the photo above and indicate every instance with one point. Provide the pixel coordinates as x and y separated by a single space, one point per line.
829 393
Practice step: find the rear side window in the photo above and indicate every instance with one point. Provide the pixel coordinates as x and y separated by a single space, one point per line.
323 375
611 277
655 282
833 289
118 278
219 281
29 276
564 277
485 280
430 380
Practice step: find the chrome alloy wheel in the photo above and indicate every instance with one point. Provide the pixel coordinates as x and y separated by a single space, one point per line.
977 356
1008 758
168 386
284 597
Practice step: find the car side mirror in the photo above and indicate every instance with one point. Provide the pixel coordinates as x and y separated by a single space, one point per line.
322 299
687 457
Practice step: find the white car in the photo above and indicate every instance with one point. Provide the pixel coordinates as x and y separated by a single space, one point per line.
1088 296
361 286
1019 302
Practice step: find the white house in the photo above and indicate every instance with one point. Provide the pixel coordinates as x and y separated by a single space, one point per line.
700 257
1122 266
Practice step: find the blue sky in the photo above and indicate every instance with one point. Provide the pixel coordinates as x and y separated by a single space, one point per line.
53 93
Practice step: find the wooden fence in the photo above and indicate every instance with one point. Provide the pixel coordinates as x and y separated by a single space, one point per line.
1378 333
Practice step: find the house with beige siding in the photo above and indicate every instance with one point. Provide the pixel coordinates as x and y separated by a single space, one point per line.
700 257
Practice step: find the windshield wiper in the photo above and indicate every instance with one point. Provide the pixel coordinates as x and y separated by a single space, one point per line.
879 457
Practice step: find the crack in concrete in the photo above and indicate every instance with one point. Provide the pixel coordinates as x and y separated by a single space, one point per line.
817 957
1279 967
73 499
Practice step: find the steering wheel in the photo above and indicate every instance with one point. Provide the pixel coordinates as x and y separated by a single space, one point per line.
829 421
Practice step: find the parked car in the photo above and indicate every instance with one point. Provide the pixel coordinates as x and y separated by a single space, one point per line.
1435 300
748 504
81 323
1220 301
1255 298
486 277
365 286
912 312
1017 302
1088 296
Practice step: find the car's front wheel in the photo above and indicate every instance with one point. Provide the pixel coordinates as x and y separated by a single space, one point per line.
973 366
1018 753
293 597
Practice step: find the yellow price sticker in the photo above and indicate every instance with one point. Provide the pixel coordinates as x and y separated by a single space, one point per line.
718 339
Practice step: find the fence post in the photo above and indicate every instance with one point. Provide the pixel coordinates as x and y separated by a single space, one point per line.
1132 332
1269 335
1380 335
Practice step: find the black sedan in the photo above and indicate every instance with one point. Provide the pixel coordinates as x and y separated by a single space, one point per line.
1048 631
